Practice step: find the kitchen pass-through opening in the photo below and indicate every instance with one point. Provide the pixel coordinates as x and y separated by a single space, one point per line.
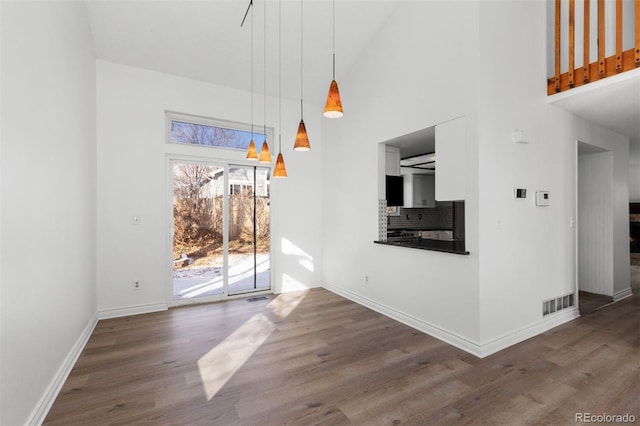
409 213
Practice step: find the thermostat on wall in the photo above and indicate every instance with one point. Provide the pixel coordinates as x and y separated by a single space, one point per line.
542 198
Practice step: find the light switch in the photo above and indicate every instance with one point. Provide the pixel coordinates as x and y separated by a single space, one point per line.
135 220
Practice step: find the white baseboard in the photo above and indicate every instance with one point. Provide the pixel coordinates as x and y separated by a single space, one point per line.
480 350
446 336
622 294
132 310
553 320
46 401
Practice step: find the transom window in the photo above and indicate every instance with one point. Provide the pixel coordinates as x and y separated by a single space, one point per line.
204 133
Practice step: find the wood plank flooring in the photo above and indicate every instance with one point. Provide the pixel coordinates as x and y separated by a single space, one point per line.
591 302
315 358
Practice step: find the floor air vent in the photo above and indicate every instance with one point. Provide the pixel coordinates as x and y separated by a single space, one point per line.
255 299
557 304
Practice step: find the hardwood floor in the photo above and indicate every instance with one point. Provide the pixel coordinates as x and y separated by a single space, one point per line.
591 302
315 358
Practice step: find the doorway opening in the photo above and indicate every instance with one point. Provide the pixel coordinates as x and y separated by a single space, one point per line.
595 227
221 230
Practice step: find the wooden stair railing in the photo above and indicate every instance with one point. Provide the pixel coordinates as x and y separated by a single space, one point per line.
605 66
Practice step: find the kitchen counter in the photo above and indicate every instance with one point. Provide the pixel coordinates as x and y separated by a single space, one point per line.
427 228
455 247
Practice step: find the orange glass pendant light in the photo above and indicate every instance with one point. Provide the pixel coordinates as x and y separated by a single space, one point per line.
333 106
302 139
280 171
252 153
265 155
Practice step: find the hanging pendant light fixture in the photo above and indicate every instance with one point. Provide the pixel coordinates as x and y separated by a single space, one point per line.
333 106
252 153
302 139
280 171
265 156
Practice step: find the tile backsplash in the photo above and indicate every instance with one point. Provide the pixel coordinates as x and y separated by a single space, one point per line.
440 217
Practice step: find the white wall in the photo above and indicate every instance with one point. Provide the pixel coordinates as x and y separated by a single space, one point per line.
634 171
595 223
521 254
411 77
132 180
48 245
528 252
1 135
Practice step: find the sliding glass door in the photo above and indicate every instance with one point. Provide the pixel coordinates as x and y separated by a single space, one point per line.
249 231
221 230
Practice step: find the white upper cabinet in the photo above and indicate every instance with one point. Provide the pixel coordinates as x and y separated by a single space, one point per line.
428 190
451 153
419 191
392 161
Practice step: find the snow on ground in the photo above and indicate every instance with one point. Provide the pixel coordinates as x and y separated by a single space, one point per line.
206 281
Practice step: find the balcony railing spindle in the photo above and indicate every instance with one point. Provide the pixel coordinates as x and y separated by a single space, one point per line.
620 61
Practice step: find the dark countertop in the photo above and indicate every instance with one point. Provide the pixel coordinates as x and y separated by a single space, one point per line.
455 247
434 228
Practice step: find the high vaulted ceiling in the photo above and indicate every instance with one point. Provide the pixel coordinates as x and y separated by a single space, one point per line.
203 40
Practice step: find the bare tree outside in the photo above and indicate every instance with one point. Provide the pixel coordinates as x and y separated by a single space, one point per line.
197 217
199 134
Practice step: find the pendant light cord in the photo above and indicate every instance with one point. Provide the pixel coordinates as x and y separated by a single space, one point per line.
279 76
301 60
250 4
334 39
264 60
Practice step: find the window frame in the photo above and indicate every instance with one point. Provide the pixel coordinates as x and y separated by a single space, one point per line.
171 116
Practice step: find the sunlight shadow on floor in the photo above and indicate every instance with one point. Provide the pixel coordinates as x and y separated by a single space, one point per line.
226 358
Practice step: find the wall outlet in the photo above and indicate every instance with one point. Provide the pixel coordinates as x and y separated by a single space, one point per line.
366 279
136 285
